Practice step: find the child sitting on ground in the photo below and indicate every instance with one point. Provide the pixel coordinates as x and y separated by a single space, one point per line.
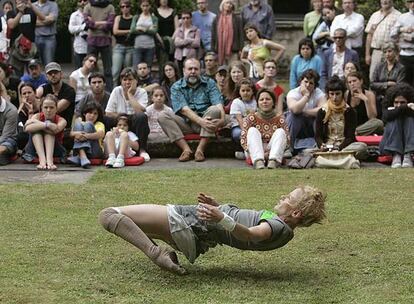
45 135
88 133
193 229
120 143
244 104
153 111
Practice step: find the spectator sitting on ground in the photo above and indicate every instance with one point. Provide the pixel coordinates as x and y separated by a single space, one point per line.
398 115
265 135
65 95
303 103
259 13
186 40
244 104
268 82
46 135
8 129
26 110
220 79
336 122
387 74
364 103
198 105
203 20
78 28
145 79
97 95
78 79
334 59
88 133
236 72
227 33
10 83
257 50
170 75
34 75
211 64
131 100
153 111
305 60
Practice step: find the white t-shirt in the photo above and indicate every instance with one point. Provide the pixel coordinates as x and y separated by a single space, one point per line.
117 102
82 84
313 99
239 106
153 115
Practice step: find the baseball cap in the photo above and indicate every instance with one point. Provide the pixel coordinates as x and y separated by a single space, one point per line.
222 68
53 66
33 62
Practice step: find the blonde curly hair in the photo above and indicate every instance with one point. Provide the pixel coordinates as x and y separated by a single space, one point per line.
312 206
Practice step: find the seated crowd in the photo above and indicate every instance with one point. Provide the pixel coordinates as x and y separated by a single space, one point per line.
216 73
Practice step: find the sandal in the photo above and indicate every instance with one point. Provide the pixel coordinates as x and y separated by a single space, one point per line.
199 156
51 167
185 156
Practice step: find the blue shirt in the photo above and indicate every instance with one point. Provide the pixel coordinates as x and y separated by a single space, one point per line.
204 23
300 65
198 99
35 82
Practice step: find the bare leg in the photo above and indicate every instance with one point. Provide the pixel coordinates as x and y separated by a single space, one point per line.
39 145
50 146
202 144
136 224
123 143
183 145
110 142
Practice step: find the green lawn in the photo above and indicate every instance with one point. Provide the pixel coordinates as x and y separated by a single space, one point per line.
53 250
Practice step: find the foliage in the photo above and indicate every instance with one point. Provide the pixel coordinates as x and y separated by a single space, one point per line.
54 251
367 7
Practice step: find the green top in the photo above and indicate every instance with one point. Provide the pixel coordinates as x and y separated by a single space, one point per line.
310 22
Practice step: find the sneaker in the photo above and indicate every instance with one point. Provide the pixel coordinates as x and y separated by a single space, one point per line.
239 155
396 161
110 162
145 155
259 164
407 161
273 164
74 160
119 163
27 157
85 163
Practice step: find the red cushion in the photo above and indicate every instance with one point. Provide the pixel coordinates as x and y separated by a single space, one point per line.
371 140
249 161
13 157
384 159
96 161
134 161
192 137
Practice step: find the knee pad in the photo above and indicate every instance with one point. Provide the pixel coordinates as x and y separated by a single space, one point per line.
109 219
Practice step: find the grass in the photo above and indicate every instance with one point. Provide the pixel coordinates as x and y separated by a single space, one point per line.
53 251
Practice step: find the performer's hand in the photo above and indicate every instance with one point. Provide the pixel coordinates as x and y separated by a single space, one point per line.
209 213
205 199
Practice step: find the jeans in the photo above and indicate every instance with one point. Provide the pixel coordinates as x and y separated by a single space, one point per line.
301 127
121 58
398 136
143 55
46 47
235 136
91 147
106 56
139 125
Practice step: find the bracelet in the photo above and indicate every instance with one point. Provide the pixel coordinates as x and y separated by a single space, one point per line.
227 223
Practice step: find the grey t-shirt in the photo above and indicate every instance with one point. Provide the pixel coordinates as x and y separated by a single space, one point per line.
208 235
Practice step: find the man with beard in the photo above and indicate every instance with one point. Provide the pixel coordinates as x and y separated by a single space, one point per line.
198 105
259 13
65 94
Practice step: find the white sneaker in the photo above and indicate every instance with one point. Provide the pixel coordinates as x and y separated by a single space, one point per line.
407 161
396 161
239 155
110 162
119 163
146 156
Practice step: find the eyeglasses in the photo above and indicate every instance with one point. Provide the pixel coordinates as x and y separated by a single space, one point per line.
125 6
338 37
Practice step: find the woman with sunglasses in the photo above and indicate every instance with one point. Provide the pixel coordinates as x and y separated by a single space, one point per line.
124 48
